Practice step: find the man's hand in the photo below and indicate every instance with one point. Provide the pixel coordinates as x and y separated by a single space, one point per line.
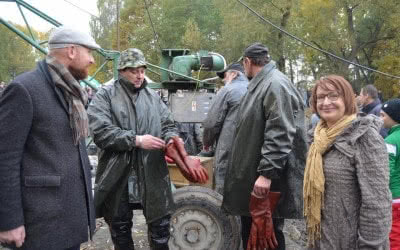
16 236
149 142
262 185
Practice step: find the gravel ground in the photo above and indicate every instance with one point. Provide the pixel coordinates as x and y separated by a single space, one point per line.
294 231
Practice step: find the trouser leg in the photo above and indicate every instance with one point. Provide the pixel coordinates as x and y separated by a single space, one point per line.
219 179
278 228
394 235
120 226
158 233
245 223
280 237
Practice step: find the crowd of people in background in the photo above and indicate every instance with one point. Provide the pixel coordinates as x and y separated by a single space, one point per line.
342 176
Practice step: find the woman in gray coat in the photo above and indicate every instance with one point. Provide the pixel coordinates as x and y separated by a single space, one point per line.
347 201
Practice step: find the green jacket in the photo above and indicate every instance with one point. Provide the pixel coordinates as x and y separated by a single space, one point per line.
270 140
393 147
115 118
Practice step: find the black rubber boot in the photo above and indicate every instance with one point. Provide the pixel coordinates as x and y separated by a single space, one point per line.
158 233
121 235
120 225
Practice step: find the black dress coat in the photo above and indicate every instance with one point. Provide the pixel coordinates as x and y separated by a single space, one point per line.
45 181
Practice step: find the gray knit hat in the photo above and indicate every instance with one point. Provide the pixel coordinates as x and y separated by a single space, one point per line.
131 58
62 37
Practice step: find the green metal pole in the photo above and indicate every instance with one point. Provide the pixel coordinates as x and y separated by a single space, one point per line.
23 36
38 12
98 70
26 22
176 73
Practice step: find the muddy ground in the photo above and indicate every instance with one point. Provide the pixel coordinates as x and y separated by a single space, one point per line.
294 231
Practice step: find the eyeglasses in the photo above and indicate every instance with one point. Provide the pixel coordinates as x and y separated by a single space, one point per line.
332 96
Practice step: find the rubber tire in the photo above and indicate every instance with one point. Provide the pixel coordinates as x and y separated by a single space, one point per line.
206 202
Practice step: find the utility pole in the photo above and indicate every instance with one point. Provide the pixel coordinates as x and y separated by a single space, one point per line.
118 43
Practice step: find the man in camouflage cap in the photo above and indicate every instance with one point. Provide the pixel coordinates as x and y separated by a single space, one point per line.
131 125
131 58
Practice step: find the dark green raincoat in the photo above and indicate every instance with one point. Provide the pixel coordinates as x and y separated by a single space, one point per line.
270 140
117 114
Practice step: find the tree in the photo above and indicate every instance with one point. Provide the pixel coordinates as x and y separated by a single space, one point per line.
348 28
192 39
103 31
17 56
360 31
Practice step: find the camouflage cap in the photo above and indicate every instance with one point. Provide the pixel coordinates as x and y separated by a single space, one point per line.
131 58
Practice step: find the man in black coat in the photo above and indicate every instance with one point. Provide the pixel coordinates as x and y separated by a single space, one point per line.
371 104
45 181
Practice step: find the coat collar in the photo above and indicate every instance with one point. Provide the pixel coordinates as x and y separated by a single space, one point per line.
42 65
261 75
368 108
394 128
345 142
240 79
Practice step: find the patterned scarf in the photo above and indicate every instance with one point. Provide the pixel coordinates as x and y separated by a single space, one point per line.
75 96
314 179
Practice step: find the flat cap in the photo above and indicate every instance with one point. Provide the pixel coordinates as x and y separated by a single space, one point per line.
131 58
62 37
255 50
232 66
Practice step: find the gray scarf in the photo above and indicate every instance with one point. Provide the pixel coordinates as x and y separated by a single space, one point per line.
75 96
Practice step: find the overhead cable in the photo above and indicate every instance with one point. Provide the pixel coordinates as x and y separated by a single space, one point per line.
313 46
152 25
81 9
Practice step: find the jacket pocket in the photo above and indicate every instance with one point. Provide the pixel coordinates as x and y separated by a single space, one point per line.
41 199
42 181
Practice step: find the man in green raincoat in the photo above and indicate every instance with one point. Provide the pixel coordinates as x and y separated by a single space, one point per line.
269 148
131 125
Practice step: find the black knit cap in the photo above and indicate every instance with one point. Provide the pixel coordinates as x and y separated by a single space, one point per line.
233 66
392 109
255 50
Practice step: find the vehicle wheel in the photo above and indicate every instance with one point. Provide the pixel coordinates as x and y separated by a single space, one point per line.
199 223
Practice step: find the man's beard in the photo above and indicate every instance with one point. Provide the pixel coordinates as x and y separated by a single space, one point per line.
78 74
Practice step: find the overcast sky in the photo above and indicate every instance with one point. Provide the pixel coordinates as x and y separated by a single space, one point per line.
60 10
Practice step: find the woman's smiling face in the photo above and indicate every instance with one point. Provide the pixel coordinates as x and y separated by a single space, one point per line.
330 104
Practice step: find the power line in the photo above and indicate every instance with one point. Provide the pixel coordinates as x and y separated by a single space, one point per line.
152 25
81 9
315 47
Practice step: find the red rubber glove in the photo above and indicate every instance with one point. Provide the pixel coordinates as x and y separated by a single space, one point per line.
194 165
172 153
169 159
262 234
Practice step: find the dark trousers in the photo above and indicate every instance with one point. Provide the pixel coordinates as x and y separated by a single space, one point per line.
278 227
121 228
77 247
